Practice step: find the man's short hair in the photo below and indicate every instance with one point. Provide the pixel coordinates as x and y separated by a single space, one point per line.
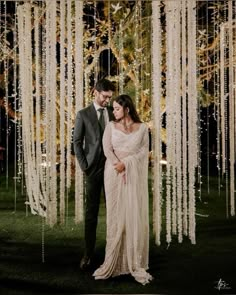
104 85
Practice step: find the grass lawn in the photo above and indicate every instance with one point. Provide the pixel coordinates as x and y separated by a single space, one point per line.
179 269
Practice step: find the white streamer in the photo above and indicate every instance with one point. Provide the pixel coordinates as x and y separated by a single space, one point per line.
79 94
156 109
62 110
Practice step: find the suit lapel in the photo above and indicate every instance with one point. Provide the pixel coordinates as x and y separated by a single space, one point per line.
94 119
92 115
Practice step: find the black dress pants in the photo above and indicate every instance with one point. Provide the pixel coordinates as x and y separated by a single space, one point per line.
94 186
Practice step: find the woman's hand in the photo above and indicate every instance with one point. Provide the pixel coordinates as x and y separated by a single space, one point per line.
119 167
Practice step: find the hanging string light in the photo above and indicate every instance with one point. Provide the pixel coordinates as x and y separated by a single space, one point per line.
141 71
231 112
199 168
146 83
184 117
207 95
217 98
15 75
38 154
137 54
69 98
169 126
1 112
226 127
24 21
40 144
181 142
109 38
47 112
79 94
177 199
224 100
62 109
234 16
179 147
192 115
234 79
40 114
156 117
43 174
6 98
121 56
222 93
51 115
87 93
96 67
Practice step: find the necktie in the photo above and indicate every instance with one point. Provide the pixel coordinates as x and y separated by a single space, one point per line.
101 119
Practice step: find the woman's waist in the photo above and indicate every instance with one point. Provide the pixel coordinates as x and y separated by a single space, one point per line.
122 154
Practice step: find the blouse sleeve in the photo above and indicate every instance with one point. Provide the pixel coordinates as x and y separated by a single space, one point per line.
107 144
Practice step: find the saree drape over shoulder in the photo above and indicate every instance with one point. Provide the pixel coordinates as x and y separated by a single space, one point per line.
127 241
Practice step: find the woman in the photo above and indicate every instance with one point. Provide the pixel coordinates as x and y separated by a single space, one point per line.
125 144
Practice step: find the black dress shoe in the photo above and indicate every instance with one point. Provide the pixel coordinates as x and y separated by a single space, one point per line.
85 263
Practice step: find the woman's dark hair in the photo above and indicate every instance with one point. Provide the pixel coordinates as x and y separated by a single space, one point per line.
126 102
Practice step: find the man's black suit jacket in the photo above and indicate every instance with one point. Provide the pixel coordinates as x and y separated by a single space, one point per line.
87 138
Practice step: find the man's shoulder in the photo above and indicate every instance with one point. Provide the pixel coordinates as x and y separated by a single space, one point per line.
86 109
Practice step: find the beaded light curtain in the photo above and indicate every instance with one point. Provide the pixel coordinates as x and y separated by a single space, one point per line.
181 118
227 106
49 104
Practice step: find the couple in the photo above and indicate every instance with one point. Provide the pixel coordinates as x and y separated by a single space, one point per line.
117 140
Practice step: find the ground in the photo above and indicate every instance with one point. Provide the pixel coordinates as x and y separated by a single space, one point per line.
209 267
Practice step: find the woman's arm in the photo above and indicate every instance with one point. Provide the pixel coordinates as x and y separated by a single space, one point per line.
107 145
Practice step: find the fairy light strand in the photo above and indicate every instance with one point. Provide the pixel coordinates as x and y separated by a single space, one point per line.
156 110
6 99
207 94
184 117
69 100
169 23
79 94
218 104
231 111
38 155
62 111
192 118
226 114
15 74
179 183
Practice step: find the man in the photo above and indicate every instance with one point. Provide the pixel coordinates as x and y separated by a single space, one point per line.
89 126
